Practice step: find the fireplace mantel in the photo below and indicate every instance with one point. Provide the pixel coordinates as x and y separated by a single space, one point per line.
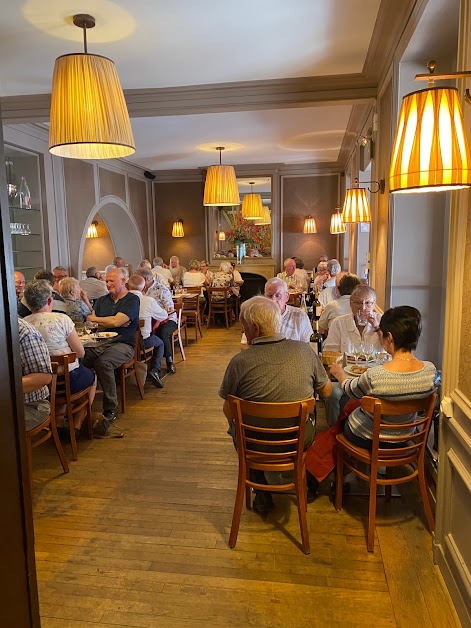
264 266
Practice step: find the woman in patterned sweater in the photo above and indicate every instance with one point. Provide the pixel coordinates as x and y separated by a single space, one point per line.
404 378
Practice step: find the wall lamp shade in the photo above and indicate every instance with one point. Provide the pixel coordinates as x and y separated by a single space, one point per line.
92 231
89 118
177 229
431 152
265 219
336 224
221 187
309 225
222 236
252 207
356 207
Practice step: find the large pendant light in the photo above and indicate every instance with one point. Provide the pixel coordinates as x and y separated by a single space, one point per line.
356 207
89 118
430 151
252 206
336 224
265 219
221 185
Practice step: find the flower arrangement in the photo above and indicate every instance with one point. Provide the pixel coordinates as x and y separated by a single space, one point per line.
242 231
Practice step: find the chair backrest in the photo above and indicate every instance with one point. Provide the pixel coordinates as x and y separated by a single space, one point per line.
62 362
271 433
410 438
294 299
179 312
191 301
219 294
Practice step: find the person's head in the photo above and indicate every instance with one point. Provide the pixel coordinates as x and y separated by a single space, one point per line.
119 262
260 317
146 275
145 264
289 266
299 262
45 274
125 272
158 261
115 282
59 273
92 271
225 267
276 290
69 287
333 266
136 282
323 258
402 326
322 268
38 295
20 283
204 266
363 298
347 283
109 267
194 264
174 262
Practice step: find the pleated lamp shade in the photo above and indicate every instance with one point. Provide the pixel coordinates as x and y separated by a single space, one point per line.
336 224
89 118
356 207
221 236
265 219
221 187
92 231
177 229
309 225
252 207
431 152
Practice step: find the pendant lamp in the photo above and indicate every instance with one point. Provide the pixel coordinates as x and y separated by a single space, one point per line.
89 117
252 206
431 152
309 225
92 231
356 207
221 185
265 219
336 224
177 229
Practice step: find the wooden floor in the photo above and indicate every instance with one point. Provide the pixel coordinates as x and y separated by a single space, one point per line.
136 534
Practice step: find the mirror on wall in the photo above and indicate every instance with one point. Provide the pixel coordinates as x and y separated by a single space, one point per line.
232 235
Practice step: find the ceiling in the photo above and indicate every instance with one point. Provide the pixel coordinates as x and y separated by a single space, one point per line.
166 45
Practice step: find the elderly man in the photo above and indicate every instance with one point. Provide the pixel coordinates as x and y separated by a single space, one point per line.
295 324
155 288
176 271
117 311
59 273
93 285
162 269
273 369
149 309
289 276
333 266
58 304
20 283
36 374
345 284
347 332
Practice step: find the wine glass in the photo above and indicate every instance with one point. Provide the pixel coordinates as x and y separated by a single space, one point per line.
91 327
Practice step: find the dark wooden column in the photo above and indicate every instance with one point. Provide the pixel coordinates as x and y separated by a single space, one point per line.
18 587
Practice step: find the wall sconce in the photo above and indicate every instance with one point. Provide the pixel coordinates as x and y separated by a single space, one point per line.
309 225
356 207
89 117
252 206
431 152
92 230
220 187
336 224
177 229
221 236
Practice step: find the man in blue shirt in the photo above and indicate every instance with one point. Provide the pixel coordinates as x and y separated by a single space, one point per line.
116 311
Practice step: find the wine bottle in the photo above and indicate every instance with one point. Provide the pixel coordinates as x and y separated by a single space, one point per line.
317 307
24 195
316 338
303 305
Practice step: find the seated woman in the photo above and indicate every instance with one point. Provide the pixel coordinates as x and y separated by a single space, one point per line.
194 277
59 333
77 305
404 378
223 278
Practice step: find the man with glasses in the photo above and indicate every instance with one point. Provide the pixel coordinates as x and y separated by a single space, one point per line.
59 273
347 332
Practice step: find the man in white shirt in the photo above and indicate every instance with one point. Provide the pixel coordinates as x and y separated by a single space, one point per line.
334 268
162 270
345 284
93 285
295 324
289 276
149 309
350 331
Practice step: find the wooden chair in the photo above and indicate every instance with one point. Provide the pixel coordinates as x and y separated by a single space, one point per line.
69 404
177 334
145 355
294 299
130 368
259 448
411 453
219 305
192 309
49 428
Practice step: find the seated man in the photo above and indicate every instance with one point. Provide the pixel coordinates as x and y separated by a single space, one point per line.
289 276
149 309
58 304
36 374
162 269
116 311
59 273
20 284
347 332
295 324
273 369
93 285
345 284
155 288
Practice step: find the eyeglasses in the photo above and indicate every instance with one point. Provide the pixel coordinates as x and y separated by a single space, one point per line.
365 303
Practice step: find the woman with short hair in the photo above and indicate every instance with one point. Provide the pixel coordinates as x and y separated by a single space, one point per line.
194 277
77 304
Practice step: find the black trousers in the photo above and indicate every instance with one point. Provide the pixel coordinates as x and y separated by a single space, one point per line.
165 331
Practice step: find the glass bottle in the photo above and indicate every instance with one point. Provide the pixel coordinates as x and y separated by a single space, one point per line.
317 307
316 338
303 305
24 195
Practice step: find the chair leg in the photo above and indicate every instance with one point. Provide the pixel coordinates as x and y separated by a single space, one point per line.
425 498
181 344
138 382
372 513
248 497
73 440
239 502
88 419
60 451
122 391
29 453
301 494
339 479
388 487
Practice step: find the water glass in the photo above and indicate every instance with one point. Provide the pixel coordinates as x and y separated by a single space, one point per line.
362 318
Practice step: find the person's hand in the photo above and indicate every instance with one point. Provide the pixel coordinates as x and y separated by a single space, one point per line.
373 319
83 295
337 371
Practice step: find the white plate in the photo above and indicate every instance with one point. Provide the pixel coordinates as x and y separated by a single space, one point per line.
101 335
349 369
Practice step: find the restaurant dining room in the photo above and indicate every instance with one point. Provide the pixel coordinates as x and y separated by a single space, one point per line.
236 311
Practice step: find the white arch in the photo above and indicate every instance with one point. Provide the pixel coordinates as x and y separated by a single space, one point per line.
122 227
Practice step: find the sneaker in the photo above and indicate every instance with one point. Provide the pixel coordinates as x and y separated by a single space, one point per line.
102 428
171 368
154 376
110 415
263 502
